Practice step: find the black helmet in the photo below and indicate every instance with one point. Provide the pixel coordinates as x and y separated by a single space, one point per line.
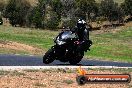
81 24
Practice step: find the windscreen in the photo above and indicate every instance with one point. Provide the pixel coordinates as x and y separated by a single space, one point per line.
67 35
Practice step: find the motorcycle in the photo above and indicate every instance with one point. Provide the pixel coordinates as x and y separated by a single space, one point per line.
67 48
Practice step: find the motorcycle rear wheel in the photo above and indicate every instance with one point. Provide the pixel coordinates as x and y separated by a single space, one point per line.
76 59
49 56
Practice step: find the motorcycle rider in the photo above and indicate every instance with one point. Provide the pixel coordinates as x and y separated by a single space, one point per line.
83 33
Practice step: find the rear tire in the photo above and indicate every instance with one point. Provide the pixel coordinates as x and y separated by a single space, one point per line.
76 59
49 56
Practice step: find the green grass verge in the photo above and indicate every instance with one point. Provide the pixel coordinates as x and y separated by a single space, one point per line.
106 46
40 38
113 46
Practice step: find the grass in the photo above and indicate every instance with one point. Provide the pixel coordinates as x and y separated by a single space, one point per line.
68 81
112 46
120 70
40 85
106 46
30 78
2 72
17 73
31 70
12 73
51 70
39 38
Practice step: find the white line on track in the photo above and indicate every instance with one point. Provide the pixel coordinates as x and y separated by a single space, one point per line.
55 67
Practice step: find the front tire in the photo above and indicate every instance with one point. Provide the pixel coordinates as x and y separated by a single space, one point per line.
49 56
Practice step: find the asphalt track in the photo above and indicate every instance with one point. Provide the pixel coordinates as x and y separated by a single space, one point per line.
19 60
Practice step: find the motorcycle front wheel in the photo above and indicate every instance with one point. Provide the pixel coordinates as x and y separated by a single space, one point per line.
49 56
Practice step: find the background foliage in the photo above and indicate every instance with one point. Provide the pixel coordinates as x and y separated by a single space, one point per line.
53 14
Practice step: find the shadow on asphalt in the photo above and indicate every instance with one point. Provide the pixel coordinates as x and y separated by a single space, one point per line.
74 65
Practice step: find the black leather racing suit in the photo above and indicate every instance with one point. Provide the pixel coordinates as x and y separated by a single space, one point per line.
83 35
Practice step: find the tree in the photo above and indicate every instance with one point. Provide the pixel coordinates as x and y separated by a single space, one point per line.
127 7
36 14
57 7
37 18
16 11
86 8
69 8
68 13
52 21
2 5
110 10
44 15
